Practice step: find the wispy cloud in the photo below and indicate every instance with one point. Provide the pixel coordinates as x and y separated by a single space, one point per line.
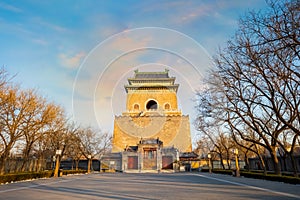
186 11
10 7
126 43
44 23
195 13
71 61
40 41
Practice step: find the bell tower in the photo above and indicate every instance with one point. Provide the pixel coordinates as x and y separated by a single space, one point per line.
152 112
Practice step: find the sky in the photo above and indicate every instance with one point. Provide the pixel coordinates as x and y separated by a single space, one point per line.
79 53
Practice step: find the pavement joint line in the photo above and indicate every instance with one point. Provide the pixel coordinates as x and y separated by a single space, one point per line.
249 186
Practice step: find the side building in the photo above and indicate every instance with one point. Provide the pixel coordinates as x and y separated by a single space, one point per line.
152 132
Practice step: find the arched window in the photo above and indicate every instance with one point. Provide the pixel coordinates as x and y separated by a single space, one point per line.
136 107
151 105
167 106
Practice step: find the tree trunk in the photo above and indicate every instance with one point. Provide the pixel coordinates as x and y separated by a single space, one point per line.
247 162
2 165
228 162
25 160
294 164
77 163
89 166
40 163
4 157
283 158
263 164
26 156
275 162
221 159
290 154
73 163
3 160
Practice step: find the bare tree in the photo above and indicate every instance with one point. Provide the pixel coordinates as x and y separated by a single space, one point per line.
12 113
211 126
73 149
257 78
35 122
6 140
36 128
94 142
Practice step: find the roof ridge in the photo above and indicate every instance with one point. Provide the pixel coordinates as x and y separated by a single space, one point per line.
156 72
151 72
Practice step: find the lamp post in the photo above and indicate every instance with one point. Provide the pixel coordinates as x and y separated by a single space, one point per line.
237 167
209 162
58 154
89 164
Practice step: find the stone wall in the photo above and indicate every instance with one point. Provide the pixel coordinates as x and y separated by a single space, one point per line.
171 130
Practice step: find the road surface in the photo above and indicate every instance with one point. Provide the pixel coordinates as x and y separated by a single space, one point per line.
150 187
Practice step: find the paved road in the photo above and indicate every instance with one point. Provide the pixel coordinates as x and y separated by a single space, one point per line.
149 187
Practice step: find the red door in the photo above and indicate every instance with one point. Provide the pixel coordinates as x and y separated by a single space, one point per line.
132 162
167 162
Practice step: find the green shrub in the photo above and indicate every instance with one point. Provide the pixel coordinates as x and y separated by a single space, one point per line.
285 177
222 171
8 178
81 171
218 171
272 177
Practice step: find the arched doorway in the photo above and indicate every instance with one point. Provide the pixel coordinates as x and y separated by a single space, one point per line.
152 105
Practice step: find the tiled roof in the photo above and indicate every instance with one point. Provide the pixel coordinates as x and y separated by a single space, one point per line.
188 155
154 75
151 75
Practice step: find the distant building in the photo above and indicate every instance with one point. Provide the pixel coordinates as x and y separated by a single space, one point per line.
152 131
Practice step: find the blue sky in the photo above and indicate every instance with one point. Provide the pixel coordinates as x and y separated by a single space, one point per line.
48 43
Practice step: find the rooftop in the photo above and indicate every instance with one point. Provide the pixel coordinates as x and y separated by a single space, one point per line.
151 75
151 81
